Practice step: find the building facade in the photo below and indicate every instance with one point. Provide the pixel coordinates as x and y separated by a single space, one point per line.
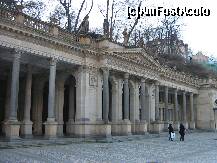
54 84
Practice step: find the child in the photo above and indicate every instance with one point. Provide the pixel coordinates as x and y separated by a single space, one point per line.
170 128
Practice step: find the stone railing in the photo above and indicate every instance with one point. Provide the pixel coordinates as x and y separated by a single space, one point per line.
37 25
24 22
4 14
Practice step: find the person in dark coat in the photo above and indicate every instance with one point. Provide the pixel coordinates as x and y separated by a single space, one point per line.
170 128
182 132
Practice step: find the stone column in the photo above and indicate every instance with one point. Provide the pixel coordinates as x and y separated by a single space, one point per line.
148 103
184 107
132 101
176 115
126 97
166 103
105 94
136 90
157 116
51 124
176 105
26 126
157 126
192 122
140 125
142 97
184 110
114 101
12 126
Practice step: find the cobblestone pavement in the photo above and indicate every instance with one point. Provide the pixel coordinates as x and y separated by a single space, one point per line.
197 147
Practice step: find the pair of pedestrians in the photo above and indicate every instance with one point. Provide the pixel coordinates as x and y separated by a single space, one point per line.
181 132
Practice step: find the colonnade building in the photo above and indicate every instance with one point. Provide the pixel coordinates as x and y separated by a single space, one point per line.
54 84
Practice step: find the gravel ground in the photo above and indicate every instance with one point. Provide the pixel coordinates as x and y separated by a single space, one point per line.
197 147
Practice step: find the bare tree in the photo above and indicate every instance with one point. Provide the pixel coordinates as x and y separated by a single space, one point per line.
8 4
112 17
87 15
33 8
79 12
67 5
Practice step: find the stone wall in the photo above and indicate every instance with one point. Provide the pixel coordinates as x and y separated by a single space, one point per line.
205 104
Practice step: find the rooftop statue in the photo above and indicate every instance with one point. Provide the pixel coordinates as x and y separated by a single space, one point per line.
84 27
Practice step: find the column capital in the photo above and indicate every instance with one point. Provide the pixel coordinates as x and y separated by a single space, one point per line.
105 69
126 75
52 61
143 80
29 67
166 87
157 83
191 94
17 52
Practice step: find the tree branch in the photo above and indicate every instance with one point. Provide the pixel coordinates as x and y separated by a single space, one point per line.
76 22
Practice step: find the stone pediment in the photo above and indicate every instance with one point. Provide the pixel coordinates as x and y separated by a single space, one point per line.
139 56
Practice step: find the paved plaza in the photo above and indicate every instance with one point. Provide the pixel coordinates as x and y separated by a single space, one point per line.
198 147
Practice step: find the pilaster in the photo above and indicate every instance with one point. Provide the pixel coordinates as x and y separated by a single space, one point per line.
192 121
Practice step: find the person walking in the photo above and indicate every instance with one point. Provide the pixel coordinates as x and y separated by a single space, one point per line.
182 132
170 128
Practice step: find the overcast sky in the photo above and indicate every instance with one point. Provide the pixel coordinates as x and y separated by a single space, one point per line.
199 32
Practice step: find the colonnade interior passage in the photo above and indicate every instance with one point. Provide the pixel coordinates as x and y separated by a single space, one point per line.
42 96
25 92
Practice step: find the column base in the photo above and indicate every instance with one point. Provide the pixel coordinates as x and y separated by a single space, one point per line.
139 128
26 129
122 128
70 127
95 129
60 129
157 127
3 127
37 128
12 128
50 128
192 125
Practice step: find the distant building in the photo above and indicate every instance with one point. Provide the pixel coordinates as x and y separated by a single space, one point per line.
166 46
200 58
